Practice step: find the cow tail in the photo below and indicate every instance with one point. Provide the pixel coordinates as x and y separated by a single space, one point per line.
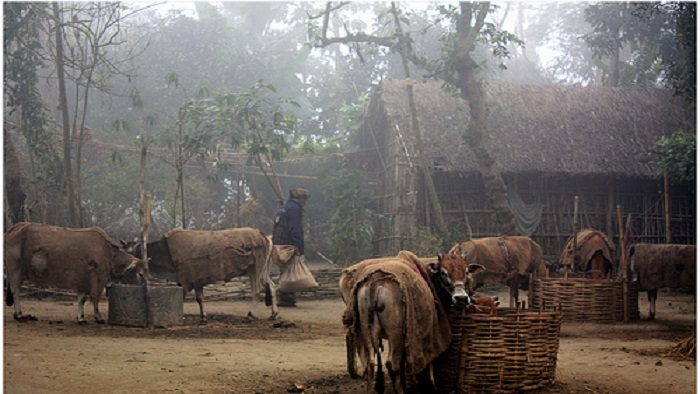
379 381
9 299
376 342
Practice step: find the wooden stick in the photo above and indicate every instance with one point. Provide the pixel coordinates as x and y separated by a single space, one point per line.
667 209
575 229
623 258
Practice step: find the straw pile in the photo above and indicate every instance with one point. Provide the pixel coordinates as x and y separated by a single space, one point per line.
684 349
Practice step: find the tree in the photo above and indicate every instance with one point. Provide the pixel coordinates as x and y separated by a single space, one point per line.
256 119
458 68
65 117
23 100
675 156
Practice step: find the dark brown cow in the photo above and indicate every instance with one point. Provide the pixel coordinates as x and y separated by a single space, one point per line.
83 260
196 258
594 250
507 259
398 300
662 265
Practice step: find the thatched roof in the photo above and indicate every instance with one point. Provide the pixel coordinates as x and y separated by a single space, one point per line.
550 129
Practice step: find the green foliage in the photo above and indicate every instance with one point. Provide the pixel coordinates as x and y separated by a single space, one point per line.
424 244
351 232
676 155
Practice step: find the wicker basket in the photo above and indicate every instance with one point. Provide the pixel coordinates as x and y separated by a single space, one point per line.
513 351
580 299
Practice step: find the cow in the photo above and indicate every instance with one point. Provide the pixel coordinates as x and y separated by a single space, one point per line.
81 259
594 251
485 305
662 265
196 258
507 259
401 300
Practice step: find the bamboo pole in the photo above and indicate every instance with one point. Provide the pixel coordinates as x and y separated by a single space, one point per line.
575 229
144 248
623 259
667 210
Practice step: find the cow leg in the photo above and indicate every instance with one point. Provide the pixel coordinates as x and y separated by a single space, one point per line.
82 297
95 298
273 290
199 296
513 294
651 295
13 288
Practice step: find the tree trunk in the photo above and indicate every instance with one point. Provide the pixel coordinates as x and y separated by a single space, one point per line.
471 91
614 65
63 104
428 176
13 187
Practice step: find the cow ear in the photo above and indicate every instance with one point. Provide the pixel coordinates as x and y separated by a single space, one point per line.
474 268
464 254
439 256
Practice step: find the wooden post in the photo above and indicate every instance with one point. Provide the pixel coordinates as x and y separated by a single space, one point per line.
144 249
623 259
575 230
667 210
146 206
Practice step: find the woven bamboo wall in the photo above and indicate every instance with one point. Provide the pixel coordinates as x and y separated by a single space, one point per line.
466 209
581 299
514 351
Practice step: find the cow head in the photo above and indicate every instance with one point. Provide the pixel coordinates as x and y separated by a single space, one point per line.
128 246
127 268
133 273
452 278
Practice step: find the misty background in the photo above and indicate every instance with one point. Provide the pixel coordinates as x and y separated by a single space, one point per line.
235 103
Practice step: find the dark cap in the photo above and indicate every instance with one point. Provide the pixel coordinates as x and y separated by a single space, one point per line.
299 193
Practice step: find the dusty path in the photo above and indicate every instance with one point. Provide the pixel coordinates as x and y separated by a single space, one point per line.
56 355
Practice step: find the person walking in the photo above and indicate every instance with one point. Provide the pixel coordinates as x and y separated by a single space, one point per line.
288 229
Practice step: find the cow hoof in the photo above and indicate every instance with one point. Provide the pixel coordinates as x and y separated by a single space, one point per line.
25 318
203 322
82 322
100 321
273 316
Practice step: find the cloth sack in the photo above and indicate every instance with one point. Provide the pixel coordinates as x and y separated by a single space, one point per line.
296 277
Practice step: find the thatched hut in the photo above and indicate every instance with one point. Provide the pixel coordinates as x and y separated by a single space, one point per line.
551 143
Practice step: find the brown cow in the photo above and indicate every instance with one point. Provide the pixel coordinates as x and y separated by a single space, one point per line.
398 299
507 259
485 305
663 265
594 251
196 258
84 260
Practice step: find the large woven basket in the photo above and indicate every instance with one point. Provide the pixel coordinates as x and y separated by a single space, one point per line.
514 351
581 299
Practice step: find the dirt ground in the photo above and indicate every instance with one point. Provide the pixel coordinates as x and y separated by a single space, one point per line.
304 350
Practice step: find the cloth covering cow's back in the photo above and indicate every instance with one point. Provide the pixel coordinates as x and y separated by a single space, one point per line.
204 257
588 243
426 320
663 265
